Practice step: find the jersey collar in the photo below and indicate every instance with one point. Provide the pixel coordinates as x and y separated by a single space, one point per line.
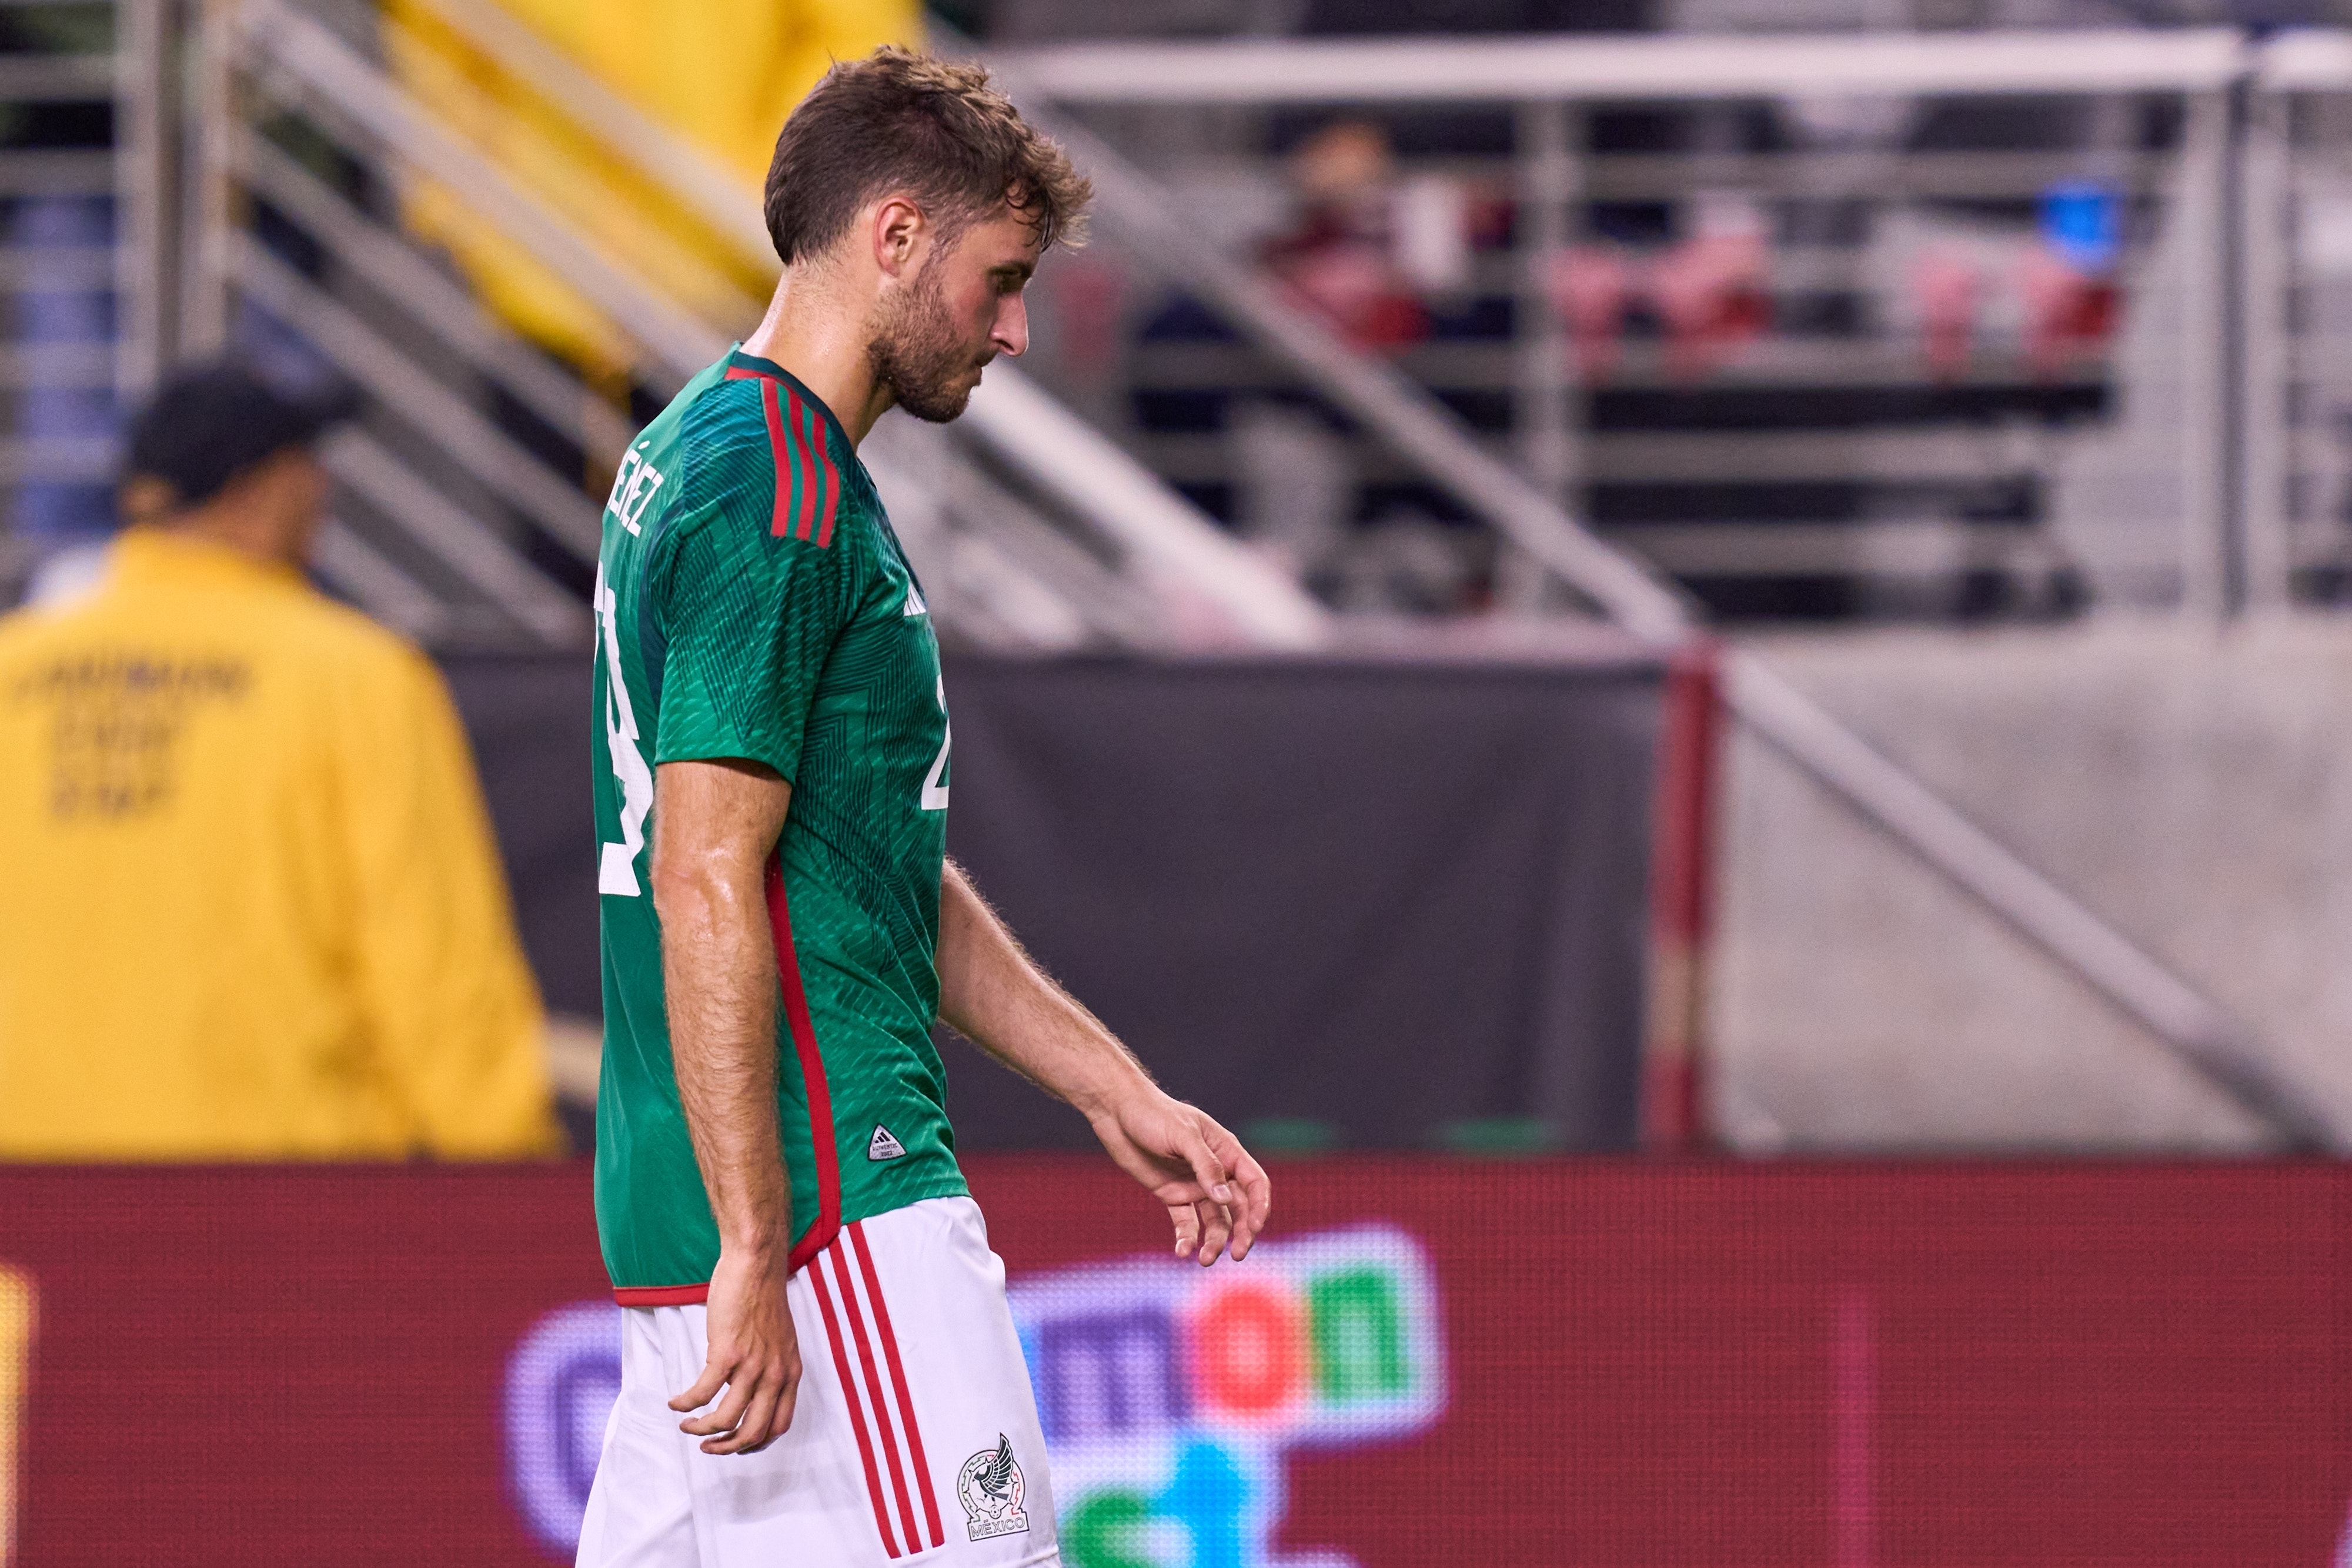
738 359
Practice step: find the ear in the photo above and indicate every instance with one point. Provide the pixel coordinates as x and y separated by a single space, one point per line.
900 233
144 498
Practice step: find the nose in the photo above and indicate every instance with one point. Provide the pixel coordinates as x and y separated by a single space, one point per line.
1010 335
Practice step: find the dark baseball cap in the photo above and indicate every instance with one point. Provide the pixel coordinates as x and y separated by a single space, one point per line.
209 423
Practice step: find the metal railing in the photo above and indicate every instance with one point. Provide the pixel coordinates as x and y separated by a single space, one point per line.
1994 447
1047 535
2205 69
57 264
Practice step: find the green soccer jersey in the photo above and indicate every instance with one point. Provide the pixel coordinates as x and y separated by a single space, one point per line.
751 601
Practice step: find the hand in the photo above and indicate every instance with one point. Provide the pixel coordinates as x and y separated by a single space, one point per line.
1214 1190
755 1355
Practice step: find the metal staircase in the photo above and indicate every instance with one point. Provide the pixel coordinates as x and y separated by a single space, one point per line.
262 156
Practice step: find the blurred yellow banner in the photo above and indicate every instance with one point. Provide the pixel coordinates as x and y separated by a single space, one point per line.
16 1374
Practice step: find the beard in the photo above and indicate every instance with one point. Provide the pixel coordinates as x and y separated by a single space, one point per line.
915 351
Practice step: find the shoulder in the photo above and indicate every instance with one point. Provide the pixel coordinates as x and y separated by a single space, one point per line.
340 641
759 461
728 415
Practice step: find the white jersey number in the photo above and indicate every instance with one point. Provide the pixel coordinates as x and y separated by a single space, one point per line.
935 793
617 871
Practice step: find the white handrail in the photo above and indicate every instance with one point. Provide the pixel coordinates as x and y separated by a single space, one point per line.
2306 59
1084 470
1589 69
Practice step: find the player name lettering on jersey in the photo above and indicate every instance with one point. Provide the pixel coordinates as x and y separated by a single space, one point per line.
632 489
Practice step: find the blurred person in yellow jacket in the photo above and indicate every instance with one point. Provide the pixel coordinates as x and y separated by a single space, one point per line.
721 75
252 909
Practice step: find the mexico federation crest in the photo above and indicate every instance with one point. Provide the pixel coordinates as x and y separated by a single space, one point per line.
990 1489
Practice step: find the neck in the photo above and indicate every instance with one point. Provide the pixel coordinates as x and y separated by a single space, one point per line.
256 538
816 332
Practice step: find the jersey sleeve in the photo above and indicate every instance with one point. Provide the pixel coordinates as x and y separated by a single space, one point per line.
748 609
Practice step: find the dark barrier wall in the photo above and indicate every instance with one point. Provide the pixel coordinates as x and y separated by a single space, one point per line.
1430 1363
527 718
1389 897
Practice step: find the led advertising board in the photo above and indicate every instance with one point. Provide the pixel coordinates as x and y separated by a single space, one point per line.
1430 1362
1170 1395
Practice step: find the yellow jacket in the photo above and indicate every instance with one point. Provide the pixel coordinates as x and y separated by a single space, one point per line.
250 906
721 74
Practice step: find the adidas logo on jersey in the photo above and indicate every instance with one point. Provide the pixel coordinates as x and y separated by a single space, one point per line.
882 1145
915 605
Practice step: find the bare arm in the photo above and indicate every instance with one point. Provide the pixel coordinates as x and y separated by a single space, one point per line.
993 994
714 824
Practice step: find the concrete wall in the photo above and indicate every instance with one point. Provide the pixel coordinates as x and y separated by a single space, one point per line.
2193 785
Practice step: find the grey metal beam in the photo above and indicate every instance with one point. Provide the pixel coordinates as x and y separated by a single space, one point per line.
57 460
74 365
376 583
61 173
146 126
1656 68
55 78
31 267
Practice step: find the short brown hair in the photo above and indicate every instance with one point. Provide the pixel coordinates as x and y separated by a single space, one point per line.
897 121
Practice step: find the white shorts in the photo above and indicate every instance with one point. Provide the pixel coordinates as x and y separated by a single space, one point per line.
915 1435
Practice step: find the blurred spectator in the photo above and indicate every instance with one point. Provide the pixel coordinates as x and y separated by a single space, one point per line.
1339 255
253 909
1711 292
2072 302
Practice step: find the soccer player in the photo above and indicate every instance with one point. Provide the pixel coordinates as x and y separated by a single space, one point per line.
810 1286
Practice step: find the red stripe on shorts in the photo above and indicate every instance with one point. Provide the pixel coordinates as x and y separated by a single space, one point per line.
839 1256
899 1379
849 1397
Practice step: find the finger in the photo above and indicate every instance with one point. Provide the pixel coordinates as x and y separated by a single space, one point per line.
728 1412
1187 1227
1207 1169
1216 1225
751 1432
706 1387
1257 1202
787 1402
1256 1190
